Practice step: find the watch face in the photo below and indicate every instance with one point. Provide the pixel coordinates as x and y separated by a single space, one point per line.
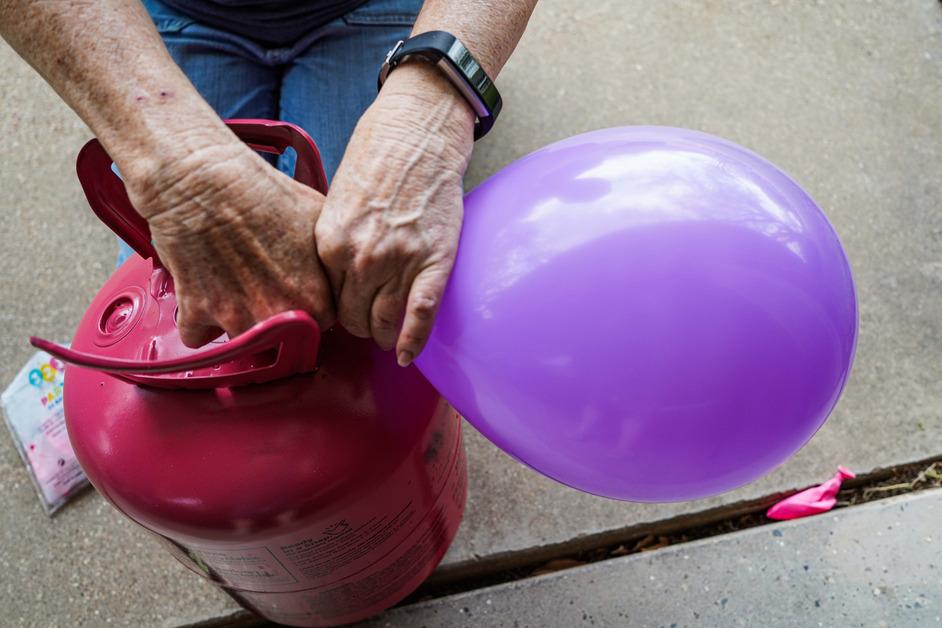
461 83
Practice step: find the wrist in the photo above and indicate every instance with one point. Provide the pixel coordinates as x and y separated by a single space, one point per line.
153 126
173 161
185 176
417 96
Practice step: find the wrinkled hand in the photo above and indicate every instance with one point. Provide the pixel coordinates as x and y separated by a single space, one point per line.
389 229
237 236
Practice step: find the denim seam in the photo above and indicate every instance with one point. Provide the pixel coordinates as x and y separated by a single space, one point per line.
389 19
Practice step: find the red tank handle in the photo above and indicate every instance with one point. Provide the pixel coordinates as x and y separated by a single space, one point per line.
280 346
108 198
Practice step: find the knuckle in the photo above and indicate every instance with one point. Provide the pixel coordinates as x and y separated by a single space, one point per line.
384 321
265 309
322 308
412 248
384 342
329 256
233 319
191 334
326 317
412 341
423 306
188 315
332 251
355 328
354 322
190 338
365 261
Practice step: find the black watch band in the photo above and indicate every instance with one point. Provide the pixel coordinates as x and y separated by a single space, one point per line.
462 69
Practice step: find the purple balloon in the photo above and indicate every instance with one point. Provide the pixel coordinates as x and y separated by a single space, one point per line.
645 313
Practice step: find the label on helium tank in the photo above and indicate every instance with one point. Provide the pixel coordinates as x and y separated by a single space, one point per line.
250 566
348 547
385 582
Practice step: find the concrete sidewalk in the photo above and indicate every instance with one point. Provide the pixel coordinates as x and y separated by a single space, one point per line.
879 564
844 95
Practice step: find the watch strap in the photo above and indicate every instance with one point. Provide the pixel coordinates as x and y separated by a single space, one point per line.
460 67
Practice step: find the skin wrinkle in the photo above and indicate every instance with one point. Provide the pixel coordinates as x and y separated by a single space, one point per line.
193 185
410 209
439 116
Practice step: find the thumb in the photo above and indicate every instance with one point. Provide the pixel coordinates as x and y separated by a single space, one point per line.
425 296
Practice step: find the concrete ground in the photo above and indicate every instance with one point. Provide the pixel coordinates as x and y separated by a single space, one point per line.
873 565
843 95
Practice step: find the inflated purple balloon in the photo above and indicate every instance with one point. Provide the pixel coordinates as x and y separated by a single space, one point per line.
645 313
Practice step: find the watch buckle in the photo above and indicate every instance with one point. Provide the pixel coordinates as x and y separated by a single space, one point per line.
395 49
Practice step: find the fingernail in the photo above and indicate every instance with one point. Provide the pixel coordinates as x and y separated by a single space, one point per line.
405 358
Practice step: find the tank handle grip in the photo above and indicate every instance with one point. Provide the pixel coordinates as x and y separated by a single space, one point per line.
109 200
280 346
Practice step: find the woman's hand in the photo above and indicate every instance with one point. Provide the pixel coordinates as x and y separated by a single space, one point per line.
389 229
237 236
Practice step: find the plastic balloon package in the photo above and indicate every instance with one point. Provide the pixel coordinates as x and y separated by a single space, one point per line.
33 411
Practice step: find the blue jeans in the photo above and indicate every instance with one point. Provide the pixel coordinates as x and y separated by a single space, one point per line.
323 82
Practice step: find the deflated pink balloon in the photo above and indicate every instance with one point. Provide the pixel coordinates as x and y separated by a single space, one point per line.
811 501
645 313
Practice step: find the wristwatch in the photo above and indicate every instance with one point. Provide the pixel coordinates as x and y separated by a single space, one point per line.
459 65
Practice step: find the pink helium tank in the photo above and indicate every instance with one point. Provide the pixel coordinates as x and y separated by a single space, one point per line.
645 313
307 474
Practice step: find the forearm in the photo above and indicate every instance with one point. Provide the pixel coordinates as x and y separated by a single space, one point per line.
490 29
106 60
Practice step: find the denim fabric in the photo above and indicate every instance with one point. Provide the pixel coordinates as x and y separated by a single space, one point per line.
323 82
274 22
